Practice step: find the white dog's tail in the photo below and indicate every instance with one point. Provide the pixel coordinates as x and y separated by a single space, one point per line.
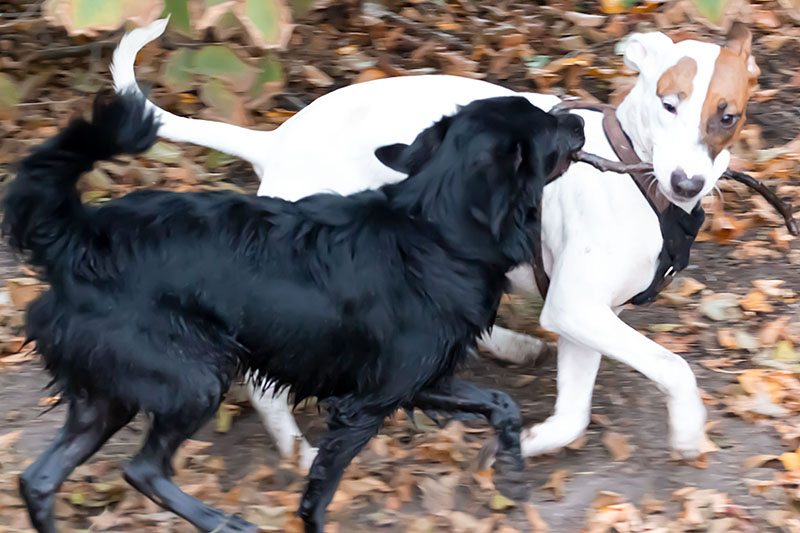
241 142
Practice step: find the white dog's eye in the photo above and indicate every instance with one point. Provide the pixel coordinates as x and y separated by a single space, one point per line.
669 107
728 120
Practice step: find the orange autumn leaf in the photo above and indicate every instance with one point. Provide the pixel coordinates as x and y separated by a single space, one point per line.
773 331
790 460
726 339
755 301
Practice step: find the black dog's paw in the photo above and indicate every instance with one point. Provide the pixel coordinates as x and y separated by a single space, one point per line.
510 478
513 485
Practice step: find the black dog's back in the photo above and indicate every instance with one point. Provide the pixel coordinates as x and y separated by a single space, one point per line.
177 292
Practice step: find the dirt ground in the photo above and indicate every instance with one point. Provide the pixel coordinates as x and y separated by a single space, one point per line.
402 481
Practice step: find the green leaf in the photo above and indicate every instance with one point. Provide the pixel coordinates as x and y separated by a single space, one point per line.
9 92
178 70
784 353
215 159
88 13
164 153
90 197
221 62
97 180
500 502
214 93
270 70
224 419
664 327
536 61
711 9
87 17
300 7
180 20
268 22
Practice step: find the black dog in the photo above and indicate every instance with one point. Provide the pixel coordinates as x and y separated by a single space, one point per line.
159 300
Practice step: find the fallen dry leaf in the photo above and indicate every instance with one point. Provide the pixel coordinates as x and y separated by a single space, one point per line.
578 443
757 461
726 339
772 331
675 343
756 301
24 290
555 483
438 494
8 440
532 514
617 445
316 76
690 286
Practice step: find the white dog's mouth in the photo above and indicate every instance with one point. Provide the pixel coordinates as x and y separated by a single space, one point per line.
687 204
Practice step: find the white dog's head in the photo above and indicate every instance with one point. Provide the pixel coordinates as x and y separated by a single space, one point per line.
687 107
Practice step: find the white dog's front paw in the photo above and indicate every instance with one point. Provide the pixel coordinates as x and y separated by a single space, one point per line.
688 436
688 447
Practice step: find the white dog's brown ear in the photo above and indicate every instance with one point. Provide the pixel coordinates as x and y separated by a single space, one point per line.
643 49
740 42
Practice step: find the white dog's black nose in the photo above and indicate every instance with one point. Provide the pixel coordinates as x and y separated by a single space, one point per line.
685 186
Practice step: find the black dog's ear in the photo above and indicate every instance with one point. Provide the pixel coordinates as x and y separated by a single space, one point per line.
410 158
393 156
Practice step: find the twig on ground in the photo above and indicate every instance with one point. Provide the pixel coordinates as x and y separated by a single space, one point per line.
781 206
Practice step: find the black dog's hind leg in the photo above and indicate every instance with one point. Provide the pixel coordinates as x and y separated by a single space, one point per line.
460 397
349 430
150 472
90 423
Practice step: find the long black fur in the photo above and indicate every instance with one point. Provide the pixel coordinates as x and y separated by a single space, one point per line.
159 300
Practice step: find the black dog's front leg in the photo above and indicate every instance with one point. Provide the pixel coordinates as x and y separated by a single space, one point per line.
459 397
350 428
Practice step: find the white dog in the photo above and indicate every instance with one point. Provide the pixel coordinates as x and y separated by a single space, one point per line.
601 239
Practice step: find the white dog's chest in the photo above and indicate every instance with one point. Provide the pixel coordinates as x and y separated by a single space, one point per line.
599 227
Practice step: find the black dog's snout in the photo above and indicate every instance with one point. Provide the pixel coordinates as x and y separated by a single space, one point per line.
571 126
685 186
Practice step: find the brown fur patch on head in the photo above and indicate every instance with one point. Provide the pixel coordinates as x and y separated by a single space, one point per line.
678 79
724 108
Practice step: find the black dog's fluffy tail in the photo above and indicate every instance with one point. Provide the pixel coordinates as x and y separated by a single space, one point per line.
42 210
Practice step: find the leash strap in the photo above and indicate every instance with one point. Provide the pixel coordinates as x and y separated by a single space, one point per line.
678 229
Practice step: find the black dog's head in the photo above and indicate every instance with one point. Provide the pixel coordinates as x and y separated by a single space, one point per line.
500 152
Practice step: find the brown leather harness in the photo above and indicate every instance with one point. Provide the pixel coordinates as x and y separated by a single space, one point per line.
678 228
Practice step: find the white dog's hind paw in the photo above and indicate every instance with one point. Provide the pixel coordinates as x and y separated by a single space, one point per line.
513 347
549 437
